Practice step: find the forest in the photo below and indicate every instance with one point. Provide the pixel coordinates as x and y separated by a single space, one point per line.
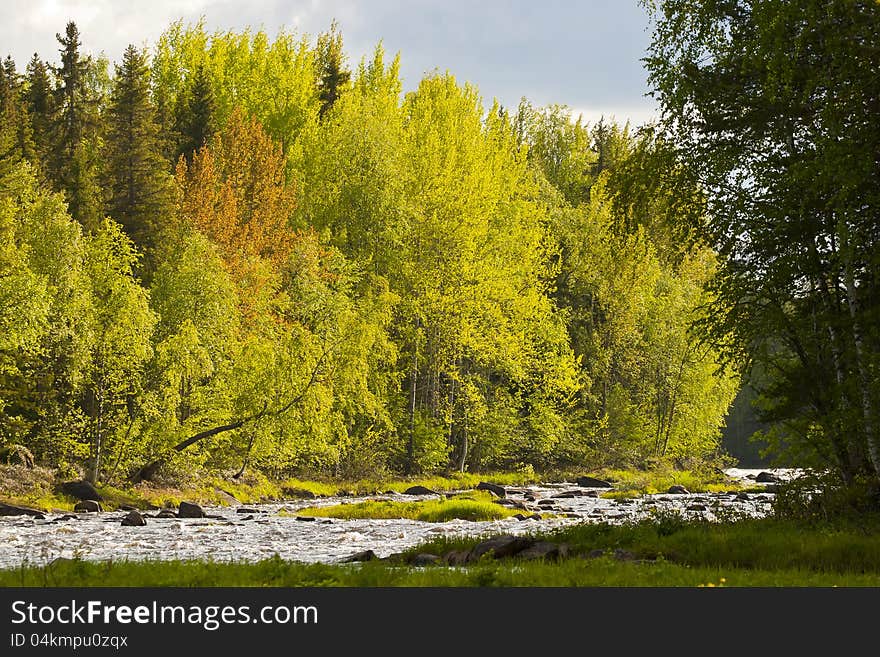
234 251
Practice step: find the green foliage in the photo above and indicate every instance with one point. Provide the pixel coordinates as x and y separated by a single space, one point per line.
762 102
341 282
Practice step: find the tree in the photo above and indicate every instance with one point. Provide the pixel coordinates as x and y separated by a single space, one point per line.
196 120
333 78
138 181
40 105
771 103
73 161
16 137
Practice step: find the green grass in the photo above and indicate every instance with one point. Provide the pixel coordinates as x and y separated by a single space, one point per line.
471 506
276 572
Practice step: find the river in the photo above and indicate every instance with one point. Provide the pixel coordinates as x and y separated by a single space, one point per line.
231 536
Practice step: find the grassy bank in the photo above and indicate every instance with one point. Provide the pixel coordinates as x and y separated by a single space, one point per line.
665 552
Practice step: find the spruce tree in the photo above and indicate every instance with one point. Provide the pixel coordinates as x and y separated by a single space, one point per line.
138 182
333 77
40 105
71 163
196 115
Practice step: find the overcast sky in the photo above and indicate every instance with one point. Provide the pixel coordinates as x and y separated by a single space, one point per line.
580 53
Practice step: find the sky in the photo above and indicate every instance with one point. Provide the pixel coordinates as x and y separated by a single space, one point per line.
581 53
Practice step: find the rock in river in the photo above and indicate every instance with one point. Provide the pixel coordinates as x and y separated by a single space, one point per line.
592 482
87 506
492 488
134 519
11 510
190 510
419 490
678 490
767 478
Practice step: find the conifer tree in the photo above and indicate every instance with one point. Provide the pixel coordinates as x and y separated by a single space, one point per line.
333 76
196 115
40 105
138 183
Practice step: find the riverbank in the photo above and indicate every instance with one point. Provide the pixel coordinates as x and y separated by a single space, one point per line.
38 487
665 552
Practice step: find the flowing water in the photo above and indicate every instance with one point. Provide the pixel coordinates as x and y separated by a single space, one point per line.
230 536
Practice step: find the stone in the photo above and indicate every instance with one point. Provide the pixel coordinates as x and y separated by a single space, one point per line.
166 513
306 518
513 504
564 496
81 490
546 503
696 507
66 517
424 559
544 550
592 482
536 516
456 557
492 488
190 510
297 493
247 509
134 519
500 547
419 490
226 496
678 490
126 507
767 478
366 555
12 510
743 497
624 555
520 516
251 517
87 506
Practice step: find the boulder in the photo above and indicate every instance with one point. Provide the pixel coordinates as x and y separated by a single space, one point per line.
456 557
424 559
12 510
696 507
190 510
536 516
544 550
166 513
297 493
520 516
81 490
767 478
678 490
366 555
419 490
87 506
743 497
247 509
500 547
592 482
134 519
492 488
306 518
65 518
